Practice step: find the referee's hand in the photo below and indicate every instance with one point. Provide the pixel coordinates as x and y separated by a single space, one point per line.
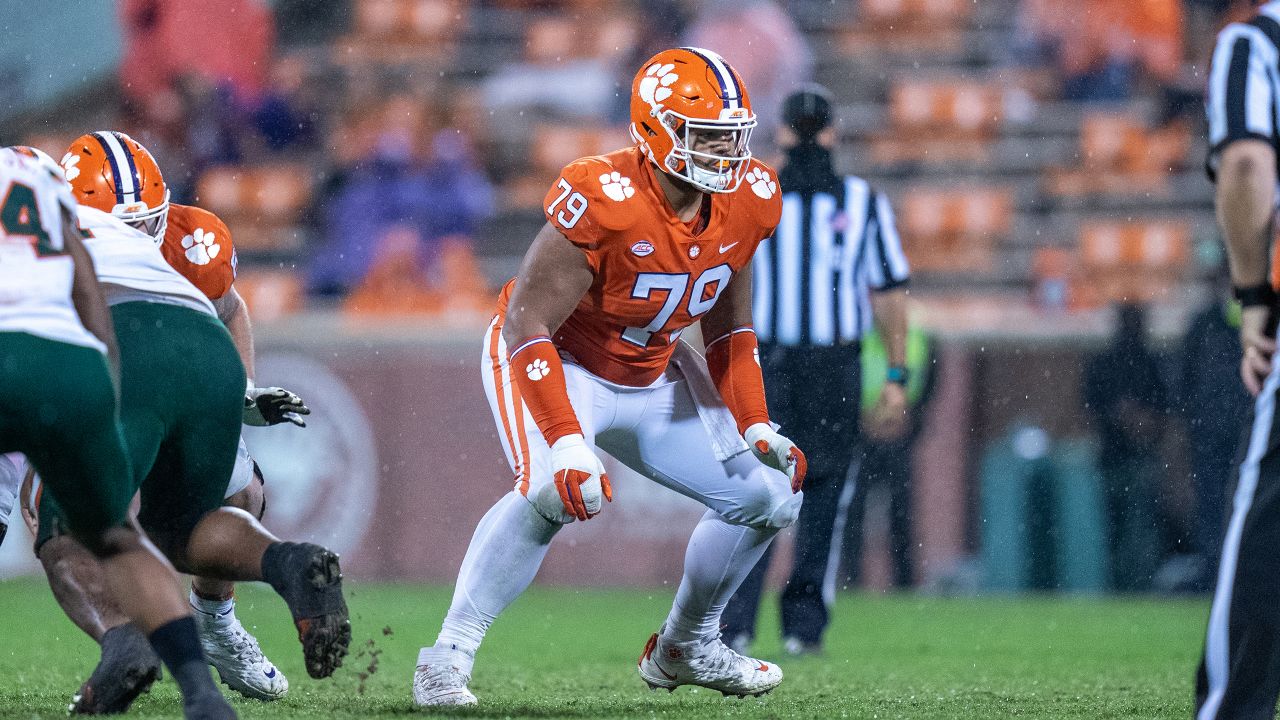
1258 346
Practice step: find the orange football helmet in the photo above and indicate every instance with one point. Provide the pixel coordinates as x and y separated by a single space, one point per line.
111 171
691 115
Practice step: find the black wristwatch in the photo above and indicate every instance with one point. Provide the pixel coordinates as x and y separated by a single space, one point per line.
898 374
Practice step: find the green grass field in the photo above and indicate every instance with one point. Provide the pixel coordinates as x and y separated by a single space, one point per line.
571 653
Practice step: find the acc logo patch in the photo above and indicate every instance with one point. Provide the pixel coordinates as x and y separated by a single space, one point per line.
642 248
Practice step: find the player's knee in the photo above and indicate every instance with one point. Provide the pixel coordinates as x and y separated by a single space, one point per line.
769 504
546 501
108 543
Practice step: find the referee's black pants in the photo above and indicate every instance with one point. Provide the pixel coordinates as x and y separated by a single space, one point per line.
814 393
1239 675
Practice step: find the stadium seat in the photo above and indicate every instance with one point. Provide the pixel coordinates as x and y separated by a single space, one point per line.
402 32
950 231
1121 156
912 14
1131 261
260 204
270 294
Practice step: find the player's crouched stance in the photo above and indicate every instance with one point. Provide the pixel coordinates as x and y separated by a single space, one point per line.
584 353
58 407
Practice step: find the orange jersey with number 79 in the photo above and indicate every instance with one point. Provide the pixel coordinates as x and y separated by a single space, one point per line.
653 276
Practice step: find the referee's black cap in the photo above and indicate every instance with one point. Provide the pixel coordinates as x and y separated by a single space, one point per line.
807 111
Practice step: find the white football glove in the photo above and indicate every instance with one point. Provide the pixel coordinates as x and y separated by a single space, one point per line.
777 452
272 406
580 477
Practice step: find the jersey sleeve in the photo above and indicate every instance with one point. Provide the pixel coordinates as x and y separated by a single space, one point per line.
1240 91
198 245
887 266
587 202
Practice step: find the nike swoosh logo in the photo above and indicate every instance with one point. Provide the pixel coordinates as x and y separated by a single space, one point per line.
726 248
270 673
665 674
763 668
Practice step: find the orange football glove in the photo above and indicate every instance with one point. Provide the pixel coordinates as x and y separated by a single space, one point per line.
778 452
580 477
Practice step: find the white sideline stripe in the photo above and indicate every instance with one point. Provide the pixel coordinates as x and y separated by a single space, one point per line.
1217 649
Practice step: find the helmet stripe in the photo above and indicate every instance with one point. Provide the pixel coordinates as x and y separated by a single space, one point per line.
133 167
116 156
728 81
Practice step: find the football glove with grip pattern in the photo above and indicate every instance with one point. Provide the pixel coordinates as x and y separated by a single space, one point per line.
272 406
779 453
580 477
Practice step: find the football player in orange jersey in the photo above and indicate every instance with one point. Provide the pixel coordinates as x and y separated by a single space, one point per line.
114 173
584 354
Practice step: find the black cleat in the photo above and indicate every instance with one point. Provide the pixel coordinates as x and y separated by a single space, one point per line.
309 579
127 669
208 706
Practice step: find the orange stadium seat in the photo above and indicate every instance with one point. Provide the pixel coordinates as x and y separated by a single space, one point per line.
402 31
907 27
946 231
1151 244
260 204
940 121
1120 155
1131 261
915 13
270 294
964 107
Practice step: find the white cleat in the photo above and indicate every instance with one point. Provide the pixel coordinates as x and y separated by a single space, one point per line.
441 678
237 657
706 663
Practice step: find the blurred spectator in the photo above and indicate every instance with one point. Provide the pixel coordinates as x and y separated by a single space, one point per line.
224 41
1129 402
560 76
763 44
1216 407
407 178
887 455
1104 47
287 113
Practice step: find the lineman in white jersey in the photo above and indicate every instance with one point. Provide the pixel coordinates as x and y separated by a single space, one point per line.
131 268
58 406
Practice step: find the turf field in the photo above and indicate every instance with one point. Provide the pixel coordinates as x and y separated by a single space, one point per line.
571 653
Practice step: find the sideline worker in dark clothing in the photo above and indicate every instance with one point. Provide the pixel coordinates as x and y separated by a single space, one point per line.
814 300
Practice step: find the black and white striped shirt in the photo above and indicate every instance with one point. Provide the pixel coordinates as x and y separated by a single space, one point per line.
812 280
1244 83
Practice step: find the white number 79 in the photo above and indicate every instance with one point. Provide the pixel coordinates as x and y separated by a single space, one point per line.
577 205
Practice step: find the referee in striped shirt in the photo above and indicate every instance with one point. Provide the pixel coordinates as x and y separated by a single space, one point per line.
833 268
1239 675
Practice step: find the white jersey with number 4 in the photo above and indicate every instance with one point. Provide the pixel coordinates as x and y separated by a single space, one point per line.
36 273
131 267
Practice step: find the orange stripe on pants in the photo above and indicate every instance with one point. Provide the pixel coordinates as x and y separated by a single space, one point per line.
519 453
